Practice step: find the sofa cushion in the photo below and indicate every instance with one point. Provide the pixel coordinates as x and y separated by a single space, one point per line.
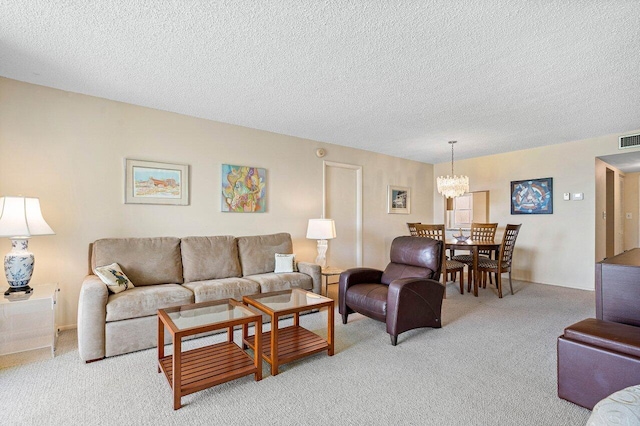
283 281
395 271
369 300
416 252
143 301
413 257
147 260
257 253
209 258
225 288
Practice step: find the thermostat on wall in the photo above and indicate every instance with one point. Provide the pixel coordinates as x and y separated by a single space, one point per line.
578 196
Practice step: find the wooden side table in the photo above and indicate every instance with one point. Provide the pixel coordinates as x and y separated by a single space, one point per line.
327 272
207 366
283 345
28 321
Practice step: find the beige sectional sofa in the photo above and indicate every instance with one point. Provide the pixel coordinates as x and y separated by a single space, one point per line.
169 271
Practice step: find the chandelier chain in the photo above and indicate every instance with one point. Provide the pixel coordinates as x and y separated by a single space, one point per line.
452 142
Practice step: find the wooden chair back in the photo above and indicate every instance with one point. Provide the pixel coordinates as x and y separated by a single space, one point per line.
436 232
483 232
412 228
432 231
508 244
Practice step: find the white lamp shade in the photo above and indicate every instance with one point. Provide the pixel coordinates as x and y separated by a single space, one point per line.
321 229
21 217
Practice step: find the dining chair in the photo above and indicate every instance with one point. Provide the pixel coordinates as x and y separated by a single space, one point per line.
412 228
479 232
503 262
449 266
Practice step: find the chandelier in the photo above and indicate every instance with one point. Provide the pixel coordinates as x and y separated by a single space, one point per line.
453 186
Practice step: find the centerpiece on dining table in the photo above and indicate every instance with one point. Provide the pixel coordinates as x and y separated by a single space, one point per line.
461 237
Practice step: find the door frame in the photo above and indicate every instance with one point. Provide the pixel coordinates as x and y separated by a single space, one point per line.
358 170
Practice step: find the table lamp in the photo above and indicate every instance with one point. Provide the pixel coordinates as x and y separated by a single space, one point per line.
20 218
321 230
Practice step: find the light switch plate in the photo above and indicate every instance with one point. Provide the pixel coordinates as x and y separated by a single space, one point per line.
566 196
578 196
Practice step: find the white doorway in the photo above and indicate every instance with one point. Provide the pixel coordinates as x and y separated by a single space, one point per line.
342 193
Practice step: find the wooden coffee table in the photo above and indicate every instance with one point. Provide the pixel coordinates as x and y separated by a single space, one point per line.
201 368
283 345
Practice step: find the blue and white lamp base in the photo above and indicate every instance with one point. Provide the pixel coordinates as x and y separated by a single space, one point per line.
18 266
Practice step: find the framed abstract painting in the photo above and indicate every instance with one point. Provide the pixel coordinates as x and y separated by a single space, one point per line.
244 189
532 196
149 182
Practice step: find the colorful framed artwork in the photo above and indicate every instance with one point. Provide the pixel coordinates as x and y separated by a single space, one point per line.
398 199
148 182
532 196
244 189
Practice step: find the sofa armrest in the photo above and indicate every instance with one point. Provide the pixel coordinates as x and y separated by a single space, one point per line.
92 314
413 303
351 277
313 271
360 276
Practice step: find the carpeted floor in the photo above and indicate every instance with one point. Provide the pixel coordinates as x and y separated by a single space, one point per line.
492 363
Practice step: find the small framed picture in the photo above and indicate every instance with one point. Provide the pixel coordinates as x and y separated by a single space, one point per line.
532 196
148 182
398 199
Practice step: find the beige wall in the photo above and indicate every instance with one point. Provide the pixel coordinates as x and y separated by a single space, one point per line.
559 248
69 149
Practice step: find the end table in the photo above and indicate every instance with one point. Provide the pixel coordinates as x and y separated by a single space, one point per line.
28 321
327 272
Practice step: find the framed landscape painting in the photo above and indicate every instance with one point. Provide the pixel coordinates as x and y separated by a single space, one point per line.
244 189
398 199
148 182
532 196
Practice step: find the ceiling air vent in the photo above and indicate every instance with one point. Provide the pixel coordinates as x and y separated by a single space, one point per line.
629 141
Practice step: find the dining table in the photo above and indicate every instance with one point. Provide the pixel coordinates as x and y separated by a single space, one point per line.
474 246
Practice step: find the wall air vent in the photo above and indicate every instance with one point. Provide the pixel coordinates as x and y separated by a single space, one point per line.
629 141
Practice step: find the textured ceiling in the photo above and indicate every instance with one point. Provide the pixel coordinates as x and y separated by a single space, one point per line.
628 162
396 77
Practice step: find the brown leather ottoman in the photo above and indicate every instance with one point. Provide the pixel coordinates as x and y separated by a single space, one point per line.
597 358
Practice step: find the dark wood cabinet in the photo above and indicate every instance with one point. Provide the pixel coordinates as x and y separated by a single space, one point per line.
618 288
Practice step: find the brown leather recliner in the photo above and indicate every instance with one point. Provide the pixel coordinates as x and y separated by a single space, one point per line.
405 295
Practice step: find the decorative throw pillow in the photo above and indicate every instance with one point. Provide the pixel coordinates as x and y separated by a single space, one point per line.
114 278
285 263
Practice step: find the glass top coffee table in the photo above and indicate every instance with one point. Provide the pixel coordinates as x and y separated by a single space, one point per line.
283 345
201 368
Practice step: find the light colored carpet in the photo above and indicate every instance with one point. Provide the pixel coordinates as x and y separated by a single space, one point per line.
492 363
